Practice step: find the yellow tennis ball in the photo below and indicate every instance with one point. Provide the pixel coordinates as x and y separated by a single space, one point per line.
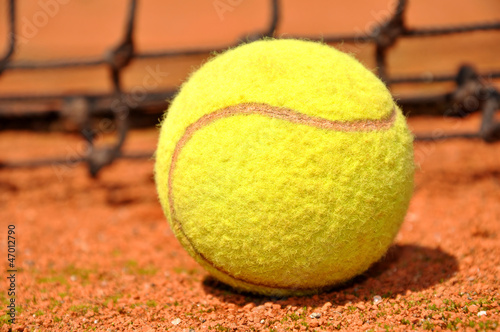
284 167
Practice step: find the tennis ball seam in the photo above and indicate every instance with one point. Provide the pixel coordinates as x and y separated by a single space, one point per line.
269 111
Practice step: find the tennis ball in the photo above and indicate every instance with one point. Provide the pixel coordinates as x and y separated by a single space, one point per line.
284 167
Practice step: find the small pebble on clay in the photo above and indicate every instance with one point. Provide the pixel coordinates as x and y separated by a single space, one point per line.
315 315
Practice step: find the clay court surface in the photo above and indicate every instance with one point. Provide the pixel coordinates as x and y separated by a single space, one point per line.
98 254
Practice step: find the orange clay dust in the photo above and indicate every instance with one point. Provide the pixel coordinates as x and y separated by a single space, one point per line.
98 255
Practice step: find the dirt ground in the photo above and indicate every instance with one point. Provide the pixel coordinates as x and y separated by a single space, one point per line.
99 255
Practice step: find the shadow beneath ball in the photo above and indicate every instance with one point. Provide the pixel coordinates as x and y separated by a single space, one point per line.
405 268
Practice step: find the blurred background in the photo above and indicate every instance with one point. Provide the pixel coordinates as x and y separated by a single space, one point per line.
98 68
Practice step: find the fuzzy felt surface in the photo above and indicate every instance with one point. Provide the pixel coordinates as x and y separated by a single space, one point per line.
284 167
